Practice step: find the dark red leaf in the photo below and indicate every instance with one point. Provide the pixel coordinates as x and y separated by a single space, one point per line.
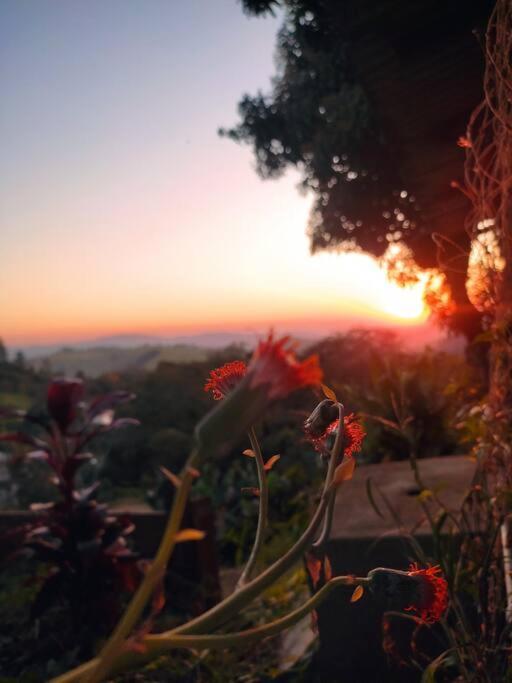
108 402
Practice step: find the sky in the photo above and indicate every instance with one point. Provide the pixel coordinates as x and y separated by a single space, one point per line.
123 211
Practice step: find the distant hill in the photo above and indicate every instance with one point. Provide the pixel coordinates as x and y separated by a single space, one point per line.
208 340
102 359
142 352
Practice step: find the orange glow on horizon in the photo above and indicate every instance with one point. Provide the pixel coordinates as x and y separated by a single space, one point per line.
318 301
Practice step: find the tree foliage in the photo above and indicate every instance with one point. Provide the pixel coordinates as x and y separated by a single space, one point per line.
321 118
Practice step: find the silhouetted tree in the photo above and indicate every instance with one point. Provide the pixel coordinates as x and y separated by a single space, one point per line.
19 359
3 352
368 101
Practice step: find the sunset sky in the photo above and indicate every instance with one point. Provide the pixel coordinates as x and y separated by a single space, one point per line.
121 210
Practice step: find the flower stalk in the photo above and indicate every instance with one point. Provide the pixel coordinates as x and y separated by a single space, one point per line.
244 392
148 585
262 511
156 645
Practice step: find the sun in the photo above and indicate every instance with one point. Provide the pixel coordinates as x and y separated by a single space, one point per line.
406 303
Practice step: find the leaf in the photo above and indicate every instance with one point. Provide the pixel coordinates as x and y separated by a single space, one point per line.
271 462
313 565
369 493
249 453
158 600
173 478
134 645
387 423
251 489
107 402
20 437
314 622
12 413
445 659
189 535
344 472
424 495
327 569
357 594
329 393
37 455
123 422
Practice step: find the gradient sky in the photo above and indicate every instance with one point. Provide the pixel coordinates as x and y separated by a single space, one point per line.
121 210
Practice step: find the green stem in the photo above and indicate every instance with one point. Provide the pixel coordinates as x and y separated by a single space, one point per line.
217 615
262 513
220 613
162 643
147 587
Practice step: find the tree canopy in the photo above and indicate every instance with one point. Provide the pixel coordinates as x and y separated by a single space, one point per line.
343 109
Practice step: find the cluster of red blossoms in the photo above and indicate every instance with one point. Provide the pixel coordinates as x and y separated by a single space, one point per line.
273 365
432 595
353 435
224 379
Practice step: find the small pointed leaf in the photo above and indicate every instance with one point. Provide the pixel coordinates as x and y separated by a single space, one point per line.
271 462
249 453
189 535
329 393
254 490
344 472
314 566
327 569
175 480
425 495
314 621
357 594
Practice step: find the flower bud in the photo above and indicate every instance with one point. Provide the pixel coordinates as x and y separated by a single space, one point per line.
421 591
62 401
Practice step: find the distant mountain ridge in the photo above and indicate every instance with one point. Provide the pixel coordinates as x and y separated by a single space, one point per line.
209 340
99 360
117 353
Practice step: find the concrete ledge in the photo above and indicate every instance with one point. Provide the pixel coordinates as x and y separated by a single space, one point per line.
351 633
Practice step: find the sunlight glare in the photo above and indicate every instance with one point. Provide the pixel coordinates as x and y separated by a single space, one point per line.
403 302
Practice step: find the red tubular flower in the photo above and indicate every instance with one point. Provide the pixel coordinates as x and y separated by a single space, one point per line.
272 373
274 365
62 400
422 591
224 379
432 599
353 434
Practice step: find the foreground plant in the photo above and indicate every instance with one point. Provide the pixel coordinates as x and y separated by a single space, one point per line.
243 393
82 545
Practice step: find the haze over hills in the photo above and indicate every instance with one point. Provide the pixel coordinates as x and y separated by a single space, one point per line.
208 340
123 352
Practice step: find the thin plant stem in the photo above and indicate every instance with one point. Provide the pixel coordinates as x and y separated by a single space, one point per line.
262 511
507 565
219 614
160 644
336 455
147 586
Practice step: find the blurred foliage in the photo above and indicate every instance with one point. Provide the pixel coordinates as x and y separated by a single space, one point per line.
369 371
413 403
71 559
410 401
